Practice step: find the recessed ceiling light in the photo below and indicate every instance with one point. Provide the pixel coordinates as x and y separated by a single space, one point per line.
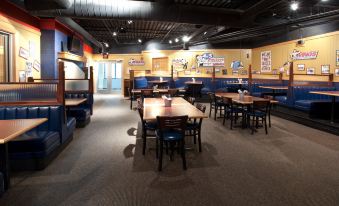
170 41
114 33
185 38
294 6
129 21
176 40
139 40
324 0
205 32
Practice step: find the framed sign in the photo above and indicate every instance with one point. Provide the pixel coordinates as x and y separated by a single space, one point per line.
134 62
325 69
301 67
24 53
266 61
36 65
310 71
336 73
337 58
298 55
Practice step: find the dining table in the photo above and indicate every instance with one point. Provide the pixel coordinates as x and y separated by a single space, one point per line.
154 107
9 130
274 89
74 102
333 95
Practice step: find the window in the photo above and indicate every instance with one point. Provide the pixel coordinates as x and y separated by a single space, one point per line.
5 72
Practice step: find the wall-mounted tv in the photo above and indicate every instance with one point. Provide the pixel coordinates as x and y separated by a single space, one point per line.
74 44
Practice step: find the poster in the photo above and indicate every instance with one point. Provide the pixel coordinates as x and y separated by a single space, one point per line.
336 72
29 66
337 57
266 61
298 55
209 60
36 65
24 53
237 65
134 62
179 64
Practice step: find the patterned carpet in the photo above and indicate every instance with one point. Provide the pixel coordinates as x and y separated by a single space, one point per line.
103 165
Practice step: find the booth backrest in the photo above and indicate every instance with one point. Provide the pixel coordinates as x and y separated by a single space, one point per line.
140 83
80 95
54 114
303 92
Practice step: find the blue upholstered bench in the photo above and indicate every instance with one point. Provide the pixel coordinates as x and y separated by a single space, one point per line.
37 147
140 83
83 112
305 101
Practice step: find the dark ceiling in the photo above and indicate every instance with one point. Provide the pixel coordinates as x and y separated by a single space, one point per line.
205 21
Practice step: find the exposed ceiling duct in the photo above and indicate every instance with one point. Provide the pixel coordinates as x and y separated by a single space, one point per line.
47 4
76 27
142 10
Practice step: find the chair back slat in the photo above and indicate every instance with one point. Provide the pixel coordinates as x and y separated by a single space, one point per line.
172 123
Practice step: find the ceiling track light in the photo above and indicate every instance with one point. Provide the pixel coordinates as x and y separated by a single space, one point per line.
185 38
139 40
114 33
294 5
176 40
170 41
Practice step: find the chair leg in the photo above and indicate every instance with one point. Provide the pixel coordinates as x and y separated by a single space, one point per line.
253 121
199 141
210 110
131 103
231 120
157 148
195 137
143 143
215 112
183 155
266 126
172 150
269 116
160 157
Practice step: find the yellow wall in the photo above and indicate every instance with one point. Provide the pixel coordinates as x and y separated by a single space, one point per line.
326 44
21 36
189 55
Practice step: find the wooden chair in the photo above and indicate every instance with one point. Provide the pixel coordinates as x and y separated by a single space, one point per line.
216 104
147 93
145 125
191 100
194 128
173 92
259 110
171 130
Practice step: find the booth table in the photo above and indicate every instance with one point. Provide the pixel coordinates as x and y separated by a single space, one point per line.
274 89
154 107
11 129
74 102
333 95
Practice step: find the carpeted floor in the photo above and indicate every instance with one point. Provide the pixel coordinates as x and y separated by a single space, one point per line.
103 165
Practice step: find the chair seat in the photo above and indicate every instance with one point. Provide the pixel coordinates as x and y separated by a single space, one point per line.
151 125
257 114
192 126
170 135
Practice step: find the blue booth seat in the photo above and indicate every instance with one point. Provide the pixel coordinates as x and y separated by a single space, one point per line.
140 83
282 100
37 147
83 112
305 101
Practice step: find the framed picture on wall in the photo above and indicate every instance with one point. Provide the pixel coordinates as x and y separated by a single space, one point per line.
310 71
224 72
336 72
325 69
337 58
301 67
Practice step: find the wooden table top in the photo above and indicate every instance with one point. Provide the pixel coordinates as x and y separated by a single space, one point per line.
237 83
138 91
154 107
274 87
191 82
10 129
158 81
328 93
74 102
246 100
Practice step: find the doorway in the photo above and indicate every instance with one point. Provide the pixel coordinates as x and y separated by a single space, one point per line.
109 77
5 57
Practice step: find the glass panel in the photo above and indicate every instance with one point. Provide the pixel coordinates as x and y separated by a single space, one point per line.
102 76
28 92
4 61
116 79
76 85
